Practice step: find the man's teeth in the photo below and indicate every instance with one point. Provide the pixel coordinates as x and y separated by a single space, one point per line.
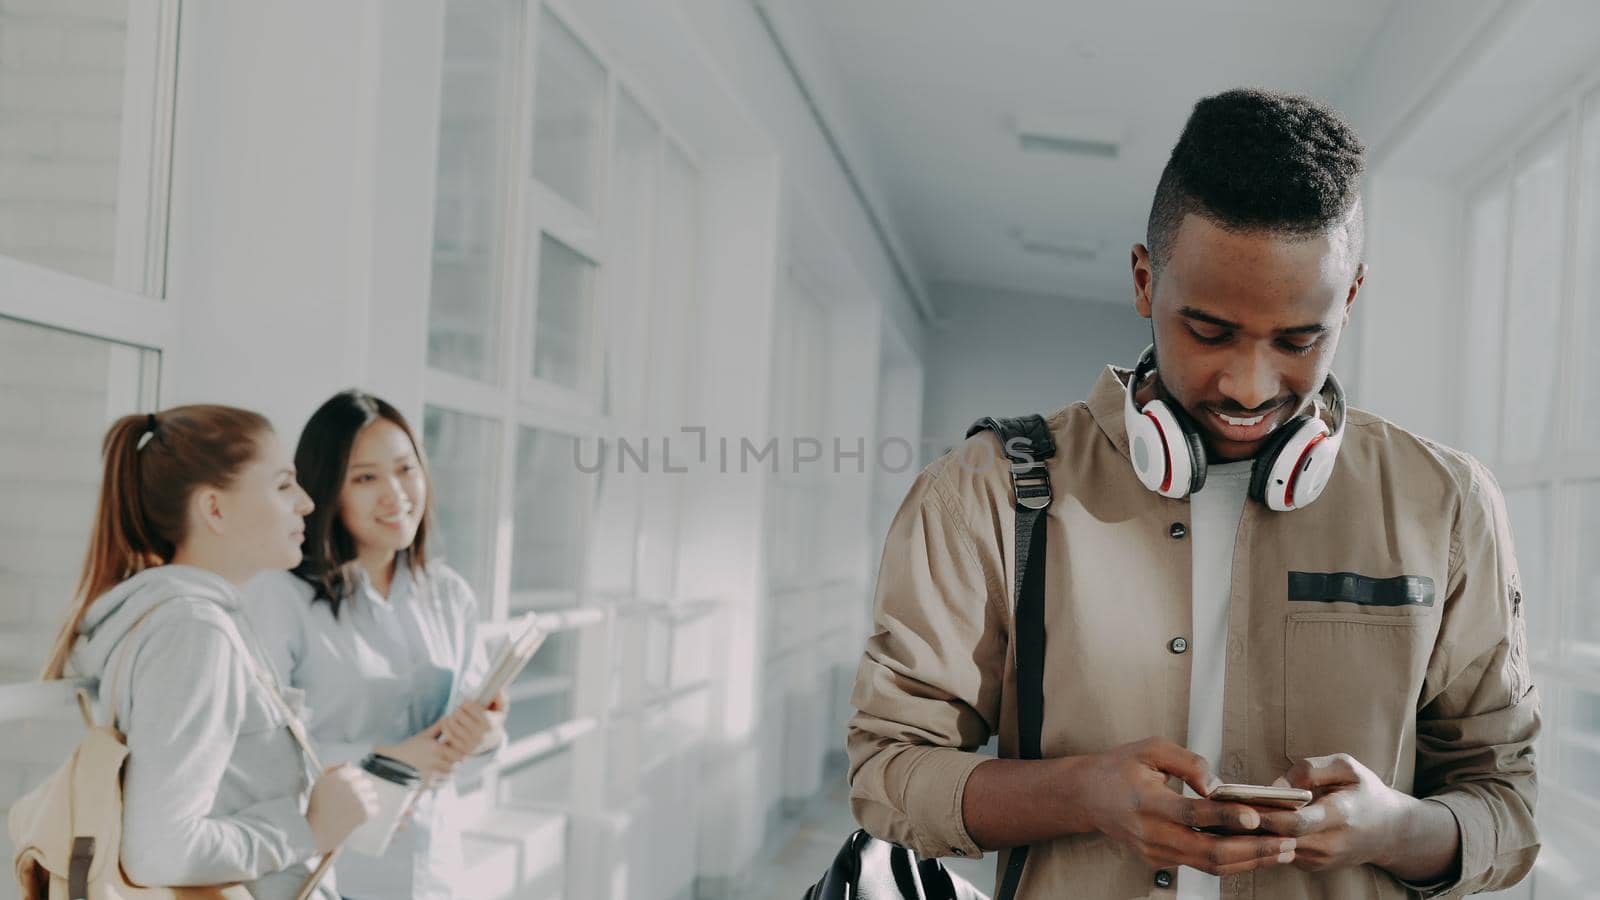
1243 423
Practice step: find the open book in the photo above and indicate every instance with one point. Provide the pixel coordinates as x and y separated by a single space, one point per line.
511 659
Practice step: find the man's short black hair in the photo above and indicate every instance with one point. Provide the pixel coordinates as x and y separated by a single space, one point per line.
1253 160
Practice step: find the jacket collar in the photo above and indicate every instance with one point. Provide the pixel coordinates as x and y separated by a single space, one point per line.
1105 404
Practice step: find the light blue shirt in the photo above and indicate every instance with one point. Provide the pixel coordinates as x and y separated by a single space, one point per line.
384 670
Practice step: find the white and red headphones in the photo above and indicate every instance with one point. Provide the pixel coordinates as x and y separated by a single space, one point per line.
1290 469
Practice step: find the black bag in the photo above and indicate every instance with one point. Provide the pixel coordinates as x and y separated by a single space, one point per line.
870 869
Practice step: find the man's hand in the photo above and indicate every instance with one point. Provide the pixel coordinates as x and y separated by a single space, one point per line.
1123 793
1354 819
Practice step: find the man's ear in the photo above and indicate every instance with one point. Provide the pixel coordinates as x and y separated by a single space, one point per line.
1355 288
1144 279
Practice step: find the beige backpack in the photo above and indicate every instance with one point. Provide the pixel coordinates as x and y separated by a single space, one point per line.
68 830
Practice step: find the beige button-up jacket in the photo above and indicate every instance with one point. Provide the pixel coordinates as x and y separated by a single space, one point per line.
1384 621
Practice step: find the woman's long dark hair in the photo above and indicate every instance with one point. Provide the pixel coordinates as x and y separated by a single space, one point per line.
321 457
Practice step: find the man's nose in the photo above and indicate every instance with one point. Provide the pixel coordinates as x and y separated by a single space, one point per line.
1250 381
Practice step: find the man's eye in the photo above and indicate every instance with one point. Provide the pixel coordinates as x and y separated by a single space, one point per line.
1208 338
1298 349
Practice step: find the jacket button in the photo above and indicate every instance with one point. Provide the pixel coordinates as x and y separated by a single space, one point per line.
1163 879
1178 645
1177 531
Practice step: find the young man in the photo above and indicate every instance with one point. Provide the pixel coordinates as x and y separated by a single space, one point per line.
1366 644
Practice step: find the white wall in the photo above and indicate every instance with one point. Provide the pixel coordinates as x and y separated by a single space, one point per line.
302 202
732 36
1009 354
1403 314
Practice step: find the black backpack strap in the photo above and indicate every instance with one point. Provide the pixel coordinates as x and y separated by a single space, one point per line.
1027 444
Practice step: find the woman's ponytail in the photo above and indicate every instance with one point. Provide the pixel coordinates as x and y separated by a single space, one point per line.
153 462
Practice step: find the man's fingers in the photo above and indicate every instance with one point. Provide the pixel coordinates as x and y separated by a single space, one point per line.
1211 853
1296 822
1165 756
1196 813
1323 771
1260 862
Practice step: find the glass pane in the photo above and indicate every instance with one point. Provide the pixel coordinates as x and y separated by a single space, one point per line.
1538 232
661 496
1587 434
1530 513
616 519
1484 324
568 105
462 320
58 394
61 83
545 782
552 497
629 279
462 451
564 310
1584 619
1577 765
672 314
541 697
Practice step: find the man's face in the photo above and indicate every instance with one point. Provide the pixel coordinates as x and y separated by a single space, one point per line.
1246 325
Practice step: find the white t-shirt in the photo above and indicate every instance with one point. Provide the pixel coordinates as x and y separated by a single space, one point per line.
1214 515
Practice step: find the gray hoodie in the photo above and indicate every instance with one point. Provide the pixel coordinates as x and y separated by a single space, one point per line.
215 787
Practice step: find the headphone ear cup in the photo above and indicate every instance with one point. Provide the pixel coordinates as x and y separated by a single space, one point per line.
1177 472
1146 450
1196 445
1267 456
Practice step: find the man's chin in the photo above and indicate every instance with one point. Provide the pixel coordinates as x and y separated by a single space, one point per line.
1220 450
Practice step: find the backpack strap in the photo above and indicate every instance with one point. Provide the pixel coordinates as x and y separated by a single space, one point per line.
252 661
1028 445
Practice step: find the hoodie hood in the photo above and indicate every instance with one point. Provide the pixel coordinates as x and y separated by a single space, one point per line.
113 613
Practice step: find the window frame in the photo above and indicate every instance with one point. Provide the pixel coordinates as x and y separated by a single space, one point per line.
132 311
1562 465
516 400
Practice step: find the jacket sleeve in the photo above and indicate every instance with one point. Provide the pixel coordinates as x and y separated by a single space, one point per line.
1480 714
186 709
927 692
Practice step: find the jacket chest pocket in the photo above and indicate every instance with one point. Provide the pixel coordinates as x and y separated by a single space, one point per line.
1350 686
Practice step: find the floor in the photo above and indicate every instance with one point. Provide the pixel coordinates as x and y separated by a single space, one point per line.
809 841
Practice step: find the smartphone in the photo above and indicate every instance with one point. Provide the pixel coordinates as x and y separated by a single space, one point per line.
1261 795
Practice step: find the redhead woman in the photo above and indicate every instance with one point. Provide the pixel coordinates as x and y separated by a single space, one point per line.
382 639
196 501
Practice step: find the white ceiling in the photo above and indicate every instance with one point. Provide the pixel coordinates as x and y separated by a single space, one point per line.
929 89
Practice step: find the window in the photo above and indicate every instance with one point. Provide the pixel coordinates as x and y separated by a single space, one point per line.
85 112
563 282
62 134
1527 380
